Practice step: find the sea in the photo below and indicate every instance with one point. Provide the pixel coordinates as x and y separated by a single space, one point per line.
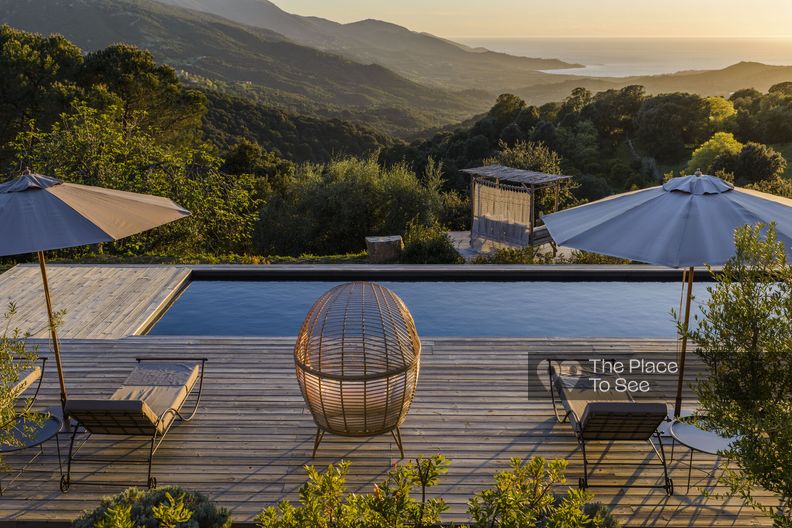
624 57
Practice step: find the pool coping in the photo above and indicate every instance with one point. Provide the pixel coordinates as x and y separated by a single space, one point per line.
444 272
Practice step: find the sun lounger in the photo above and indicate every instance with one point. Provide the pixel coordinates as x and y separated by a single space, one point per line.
148 404
27 379
607 416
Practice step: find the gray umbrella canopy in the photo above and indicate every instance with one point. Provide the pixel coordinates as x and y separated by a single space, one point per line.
688 221
39 213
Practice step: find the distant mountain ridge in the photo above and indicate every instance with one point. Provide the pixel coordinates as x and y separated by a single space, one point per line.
262 62
421 57
704 82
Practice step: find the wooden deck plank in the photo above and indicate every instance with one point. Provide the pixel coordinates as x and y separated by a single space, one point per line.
101 302
247 447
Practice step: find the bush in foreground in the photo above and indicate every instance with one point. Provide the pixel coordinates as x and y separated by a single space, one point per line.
166 507
521 497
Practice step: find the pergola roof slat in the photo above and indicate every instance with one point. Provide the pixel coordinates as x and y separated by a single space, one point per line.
510 174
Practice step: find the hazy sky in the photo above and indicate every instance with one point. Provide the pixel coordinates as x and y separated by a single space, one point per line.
543 18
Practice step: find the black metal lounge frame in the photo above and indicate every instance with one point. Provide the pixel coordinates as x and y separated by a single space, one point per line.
577 426
156 438
32 400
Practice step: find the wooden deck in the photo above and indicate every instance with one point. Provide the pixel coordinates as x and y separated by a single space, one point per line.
247 446
101 302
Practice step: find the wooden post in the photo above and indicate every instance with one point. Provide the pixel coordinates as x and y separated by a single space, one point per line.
532 215
473 206
685 326
557 192
53 329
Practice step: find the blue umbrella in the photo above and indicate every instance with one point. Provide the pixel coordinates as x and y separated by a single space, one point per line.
688 221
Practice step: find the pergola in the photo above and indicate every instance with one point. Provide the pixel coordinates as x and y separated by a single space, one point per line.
503 204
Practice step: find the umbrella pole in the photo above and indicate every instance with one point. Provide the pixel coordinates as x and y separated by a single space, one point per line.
52 327
683 353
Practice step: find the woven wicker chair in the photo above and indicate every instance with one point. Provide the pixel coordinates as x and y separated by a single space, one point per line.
357 359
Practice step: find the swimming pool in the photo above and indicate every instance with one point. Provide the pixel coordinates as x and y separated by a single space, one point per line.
443 308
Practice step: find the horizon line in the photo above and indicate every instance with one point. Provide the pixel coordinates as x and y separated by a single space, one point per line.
635 37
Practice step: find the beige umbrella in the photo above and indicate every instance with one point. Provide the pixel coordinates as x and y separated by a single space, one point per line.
39 213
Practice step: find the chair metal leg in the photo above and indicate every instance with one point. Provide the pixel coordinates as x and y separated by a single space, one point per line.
151 481
66 479
317 441
669 484
583 482
397 438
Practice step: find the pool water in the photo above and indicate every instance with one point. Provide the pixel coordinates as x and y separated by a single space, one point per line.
464 309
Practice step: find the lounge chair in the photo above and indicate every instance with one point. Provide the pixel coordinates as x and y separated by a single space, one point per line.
147 404
28 378
607 416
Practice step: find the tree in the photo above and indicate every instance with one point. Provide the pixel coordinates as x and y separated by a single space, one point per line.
332 208
506 109
720 113
782 88
754 163
744 338
150 92
37 81
112 150
668 124
528 155
573 104
536 157
704 156
613 112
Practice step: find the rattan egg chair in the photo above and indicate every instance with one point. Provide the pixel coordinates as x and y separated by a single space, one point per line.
357 359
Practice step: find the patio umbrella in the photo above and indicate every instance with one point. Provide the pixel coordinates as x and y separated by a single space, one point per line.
688 221
39 213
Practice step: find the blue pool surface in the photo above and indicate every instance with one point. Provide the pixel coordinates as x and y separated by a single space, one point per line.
465 309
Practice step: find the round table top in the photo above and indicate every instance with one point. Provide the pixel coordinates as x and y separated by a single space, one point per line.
38 433
699 439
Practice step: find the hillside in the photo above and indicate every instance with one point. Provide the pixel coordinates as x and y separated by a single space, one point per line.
280 71
706 82
294 137
421 57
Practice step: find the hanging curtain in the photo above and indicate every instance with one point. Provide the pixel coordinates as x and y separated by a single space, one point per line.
501 213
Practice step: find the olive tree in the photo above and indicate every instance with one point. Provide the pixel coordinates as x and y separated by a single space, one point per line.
15 358
745 339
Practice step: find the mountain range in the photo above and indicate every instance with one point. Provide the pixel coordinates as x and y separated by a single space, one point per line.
420 57
261 63
395 80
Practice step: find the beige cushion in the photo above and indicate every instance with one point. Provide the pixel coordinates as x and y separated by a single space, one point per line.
139 405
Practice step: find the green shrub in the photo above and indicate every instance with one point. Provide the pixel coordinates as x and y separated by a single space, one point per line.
429 245
744 339
15 358
167 507
523 496
601 514
332 208
585 257
524 255
325 503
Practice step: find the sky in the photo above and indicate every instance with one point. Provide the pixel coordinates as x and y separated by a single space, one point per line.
565 18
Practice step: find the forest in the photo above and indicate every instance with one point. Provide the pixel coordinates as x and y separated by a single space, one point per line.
262 181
